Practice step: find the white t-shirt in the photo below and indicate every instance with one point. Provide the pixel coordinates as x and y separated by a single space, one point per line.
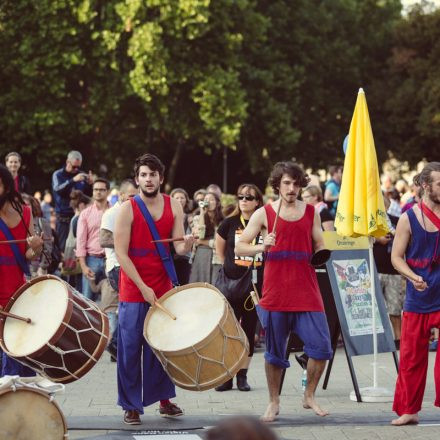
108 223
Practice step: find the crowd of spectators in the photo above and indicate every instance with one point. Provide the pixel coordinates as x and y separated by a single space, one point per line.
76 217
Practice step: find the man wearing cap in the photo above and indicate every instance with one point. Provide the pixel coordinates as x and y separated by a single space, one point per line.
64 181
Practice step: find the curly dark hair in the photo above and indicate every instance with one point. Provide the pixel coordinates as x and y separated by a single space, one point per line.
151 161
425 176
290 168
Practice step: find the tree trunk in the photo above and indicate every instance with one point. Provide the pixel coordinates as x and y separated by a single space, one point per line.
173 167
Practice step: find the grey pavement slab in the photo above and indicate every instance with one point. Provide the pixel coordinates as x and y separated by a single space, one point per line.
89 405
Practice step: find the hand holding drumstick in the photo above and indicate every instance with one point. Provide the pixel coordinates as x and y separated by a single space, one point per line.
269 240
150 296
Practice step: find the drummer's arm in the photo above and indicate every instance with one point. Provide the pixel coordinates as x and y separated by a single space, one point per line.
317 237
257 222
122 234
181 247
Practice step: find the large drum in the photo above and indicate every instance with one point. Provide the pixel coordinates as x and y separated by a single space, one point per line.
67 335
205 346
28 413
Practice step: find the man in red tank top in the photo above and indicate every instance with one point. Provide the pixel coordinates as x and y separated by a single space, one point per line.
291 299
143 278
17 218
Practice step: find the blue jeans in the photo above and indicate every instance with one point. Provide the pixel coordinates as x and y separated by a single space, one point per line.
98 266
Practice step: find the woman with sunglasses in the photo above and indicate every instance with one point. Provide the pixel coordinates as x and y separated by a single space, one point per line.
249 199
205 263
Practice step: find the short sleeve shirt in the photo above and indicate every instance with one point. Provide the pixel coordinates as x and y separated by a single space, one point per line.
230 229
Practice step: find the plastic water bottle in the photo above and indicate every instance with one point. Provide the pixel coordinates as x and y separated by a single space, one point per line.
304 380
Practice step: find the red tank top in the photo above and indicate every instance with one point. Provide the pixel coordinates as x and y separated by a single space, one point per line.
290 283
11 275
144 255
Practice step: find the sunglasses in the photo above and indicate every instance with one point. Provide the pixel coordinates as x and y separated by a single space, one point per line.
248 198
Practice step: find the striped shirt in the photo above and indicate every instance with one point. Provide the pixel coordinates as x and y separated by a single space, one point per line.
87 238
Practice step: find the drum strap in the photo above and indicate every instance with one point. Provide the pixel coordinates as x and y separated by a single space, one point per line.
19 258
164 255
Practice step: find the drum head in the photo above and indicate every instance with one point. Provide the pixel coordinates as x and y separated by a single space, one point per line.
198 309
45 303
28 414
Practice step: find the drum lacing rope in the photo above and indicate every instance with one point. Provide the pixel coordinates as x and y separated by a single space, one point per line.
226 337
43 366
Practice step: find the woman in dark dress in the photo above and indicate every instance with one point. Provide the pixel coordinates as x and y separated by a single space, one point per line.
249 200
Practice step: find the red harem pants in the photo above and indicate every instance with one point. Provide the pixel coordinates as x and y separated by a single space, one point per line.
414 345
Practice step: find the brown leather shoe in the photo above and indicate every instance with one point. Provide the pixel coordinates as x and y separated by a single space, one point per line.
131 417
170 410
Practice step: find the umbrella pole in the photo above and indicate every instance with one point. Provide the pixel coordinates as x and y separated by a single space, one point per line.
373 309
374 393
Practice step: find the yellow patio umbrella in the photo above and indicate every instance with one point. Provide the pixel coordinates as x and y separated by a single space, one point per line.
361 211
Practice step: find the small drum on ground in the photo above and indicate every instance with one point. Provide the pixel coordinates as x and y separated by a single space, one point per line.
205 346
28 413
67 335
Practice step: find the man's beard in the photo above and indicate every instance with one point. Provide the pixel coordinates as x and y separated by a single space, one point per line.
150 195
432 198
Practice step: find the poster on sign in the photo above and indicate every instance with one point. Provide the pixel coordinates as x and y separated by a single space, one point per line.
354 287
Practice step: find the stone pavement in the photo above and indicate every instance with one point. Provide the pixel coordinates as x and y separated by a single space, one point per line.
91 411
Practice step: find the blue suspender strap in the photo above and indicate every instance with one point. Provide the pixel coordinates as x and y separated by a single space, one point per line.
164 255
19 258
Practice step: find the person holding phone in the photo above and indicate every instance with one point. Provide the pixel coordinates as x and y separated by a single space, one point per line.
65 180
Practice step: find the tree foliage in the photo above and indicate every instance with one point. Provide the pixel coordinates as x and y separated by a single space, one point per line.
413 103
267 79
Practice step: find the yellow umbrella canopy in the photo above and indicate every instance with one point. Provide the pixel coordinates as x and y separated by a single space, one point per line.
361 209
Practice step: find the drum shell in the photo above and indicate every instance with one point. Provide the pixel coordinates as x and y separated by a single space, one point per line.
77 344
27 413
211 361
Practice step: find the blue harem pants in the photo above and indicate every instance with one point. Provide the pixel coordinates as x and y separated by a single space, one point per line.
142 380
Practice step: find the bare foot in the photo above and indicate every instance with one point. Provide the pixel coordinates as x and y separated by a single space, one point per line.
270 415
406 419
310 403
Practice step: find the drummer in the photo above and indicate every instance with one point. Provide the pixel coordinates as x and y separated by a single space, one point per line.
15 224
143 278
291 299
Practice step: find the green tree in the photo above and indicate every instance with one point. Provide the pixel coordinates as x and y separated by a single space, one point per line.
414 104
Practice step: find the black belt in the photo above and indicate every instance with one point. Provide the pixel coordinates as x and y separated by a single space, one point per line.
96 256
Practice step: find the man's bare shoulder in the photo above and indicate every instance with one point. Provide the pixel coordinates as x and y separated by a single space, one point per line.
404 219
259 216
125 211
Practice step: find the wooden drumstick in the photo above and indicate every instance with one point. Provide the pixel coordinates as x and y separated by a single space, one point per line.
24 240
169 240
255 291
11 315
267 248
276 218
161 307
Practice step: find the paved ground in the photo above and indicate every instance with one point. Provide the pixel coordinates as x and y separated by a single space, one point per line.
90 405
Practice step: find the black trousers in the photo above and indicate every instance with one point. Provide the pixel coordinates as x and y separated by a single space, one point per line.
248 321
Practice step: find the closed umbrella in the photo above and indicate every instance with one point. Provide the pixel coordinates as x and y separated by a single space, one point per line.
361 209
